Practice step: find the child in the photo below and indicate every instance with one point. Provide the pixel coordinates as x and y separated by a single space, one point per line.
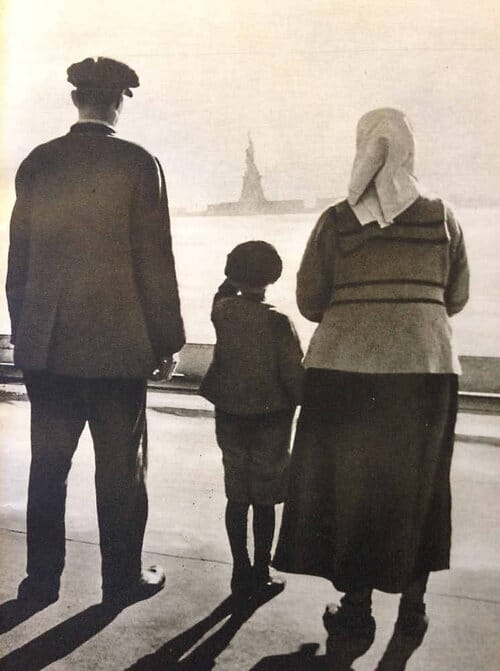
255 383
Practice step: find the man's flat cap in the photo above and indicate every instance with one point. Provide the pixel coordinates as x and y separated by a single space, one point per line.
103 73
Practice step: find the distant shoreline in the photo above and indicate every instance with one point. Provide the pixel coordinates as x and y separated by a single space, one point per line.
480 204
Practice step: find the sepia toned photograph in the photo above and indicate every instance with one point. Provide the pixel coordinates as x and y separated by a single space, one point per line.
249 337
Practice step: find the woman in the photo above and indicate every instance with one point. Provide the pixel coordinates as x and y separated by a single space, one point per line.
369 496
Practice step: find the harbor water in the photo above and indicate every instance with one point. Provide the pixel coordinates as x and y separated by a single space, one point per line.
201 244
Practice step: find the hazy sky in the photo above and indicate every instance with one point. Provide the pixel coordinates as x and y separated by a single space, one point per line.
296 73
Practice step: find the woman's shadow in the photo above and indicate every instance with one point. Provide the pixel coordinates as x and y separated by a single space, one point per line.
341 652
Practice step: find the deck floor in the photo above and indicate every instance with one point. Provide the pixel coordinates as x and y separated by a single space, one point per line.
183 626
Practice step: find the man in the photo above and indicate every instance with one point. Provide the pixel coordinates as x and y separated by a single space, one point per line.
94 308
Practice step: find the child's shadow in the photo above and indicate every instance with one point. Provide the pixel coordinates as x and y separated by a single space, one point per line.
202 658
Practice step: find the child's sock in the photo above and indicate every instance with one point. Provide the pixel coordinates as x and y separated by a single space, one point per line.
263 532
236 527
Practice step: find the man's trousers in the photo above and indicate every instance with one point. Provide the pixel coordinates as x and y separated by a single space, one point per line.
115 411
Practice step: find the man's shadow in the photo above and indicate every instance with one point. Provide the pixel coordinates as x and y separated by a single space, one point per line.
60 640
16 611
203 657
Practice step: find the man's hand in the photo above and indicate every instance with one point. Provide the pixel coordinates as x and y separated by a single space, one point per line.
165 369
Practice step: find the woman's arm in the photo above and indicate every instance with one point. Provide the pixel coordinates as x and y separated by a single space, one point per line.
315 275
456 292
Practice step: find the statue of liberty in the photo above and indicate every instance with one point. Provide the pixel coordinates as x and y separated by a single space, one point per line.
252 194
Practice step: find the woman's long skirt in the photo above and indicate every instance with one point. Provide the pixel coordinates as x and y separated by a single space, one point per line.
369 492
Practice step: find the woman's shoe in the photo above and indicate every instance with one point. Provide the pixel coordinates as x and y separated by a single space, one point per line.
412 620
355 621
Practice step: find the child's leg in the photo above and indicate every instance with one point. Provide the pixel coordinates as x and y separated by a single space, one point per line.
268 469
232 436
263 532
236 526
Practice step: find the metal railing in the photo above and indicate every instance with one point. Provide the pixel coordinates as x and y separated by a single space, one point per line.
479 383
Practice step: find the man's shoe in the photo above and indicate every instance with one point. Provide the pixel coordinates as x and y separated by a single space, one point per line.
149 583
38 592
358 622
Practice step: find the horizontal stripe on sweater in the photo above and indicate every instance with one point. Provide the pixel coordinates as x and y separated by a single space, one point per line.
347 301
405 280
417 240
388 291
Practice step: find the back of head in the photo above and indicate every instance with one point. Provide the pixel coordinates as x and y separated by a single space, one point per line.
383 133
253 265
100 84
382 183
97 101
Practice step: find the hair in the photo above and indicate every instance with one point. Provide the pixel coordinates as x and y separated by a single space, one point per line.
253 264
97 98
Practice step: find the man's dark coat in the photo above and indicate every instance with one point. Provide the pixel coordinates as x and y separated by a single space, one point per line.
91 283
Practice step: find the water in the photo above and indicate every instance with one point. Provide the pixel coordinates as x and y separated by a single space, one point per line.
202 243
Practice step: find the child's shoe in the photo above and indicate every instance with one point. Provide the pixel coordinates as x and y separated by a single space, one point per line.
242 582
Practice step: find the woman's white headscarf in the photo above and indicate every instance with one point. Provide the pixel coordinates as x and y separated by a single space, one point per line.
382 182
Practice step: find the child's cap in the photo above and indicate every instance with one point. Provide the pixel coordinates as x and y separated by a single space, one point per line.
253 264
